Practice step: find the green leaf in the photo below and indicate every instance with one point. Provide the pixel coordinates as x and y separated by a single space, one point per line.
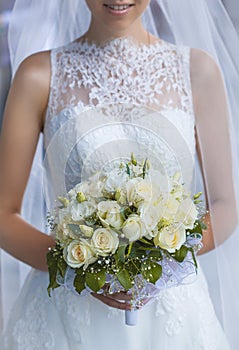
74 228
95 280
127 169
151 271
155 253
134 267
124 278
62 266
125 212
137 252
121 252
79 283
145 167
181 254
144 240
198 228
52 262
194 257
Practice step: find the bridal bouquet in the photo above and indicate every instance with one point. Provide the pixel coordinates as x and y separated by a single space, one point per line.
129 228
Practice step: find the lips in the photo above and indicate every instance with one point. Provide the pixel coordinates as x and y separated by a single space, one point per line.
118 8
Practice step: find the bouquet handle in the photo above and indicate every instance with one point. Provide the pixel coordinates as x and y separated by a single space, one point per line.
131 317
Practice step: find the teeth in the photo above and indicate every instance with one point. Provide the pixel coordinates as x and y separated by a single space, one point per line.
118 7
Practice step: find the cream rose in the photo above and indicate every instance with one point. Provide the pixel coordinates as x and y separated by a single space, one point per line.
170 238
134 228
171 206
79 253
109 214
151 213
105 241
138 190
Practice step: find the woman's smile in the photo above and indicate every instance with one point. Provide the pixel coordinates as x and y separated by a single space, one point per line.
118 9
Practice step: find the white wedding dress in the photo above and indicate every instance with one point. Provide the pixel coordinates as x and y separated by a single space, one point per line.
121 76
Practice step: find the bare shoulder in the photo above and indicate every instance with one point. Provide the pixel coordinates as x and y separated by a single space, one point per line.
206 78
203 67
32 81
35 68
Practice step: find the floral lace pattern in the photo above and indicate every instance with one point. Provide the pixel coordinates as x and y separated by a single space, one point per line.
122 72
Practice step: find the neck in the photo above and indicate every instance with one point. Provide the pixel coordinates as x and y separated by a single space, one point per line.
136 31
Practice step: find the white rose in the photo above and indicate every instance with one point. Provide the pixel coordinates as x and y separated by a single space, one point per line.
82 210
187 213
79 253
134 228
105 241
152 212
170 238
150 215
138 190
109 214
171 206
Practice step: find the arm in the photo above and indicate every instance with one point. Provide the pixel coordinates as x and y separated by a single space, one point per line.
23 122
214 148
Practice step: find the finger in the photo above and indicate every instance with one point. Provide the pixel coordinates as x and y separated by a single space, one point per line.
112 302
119 296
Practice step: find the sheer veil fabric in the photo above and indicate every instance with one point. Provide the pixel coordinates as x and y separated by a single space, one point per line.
199 24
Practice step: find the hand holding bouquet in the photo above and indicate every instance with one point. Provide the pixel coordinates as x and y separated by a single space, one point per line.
130 228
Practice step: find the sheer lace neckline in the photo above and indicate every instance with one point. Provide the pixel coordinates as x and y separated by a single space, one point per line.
120 70
121 44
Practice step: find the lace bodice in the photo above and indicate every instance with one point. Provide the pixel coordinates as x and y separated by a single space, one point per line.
122 94
120 71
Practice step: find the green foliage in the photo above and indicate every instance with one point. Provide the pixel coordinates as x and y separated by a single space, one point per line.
121 253
74 228
151 270
124 278
198 227
95 280
181 254
56 266
79 282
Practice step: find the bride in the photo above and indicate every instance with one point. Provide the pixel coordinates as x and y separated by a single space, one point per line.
118 69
